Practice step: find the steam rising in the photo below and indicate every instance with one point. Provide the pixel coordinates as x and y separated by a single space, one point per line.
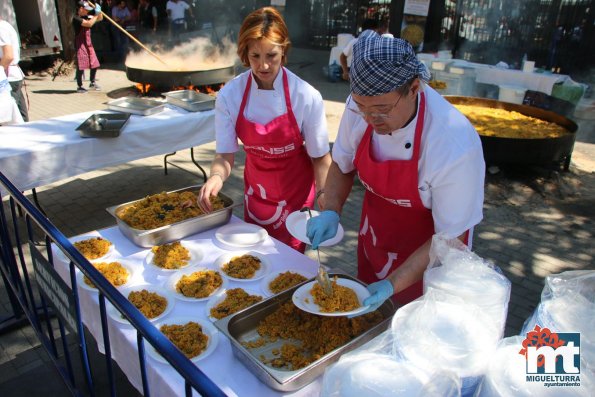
200 53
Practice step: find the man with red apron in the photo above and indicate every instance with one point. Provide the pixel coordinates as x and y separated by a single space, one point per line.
419 159
278 176
391 198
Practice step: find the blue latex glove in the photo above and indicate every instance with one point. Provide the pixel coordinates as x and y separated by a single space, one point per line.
380 291
322 227
97 9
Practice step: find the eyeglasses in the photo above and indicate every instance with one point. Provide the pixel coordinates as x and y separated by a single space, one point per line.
382 114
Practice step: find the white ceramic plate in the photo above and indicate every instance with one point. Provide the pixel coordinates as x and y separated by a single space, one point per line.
131 272
60 255
117 316
305 301
207 328
170 284
196 256
296 225
220 297
241 235
265 266
264 284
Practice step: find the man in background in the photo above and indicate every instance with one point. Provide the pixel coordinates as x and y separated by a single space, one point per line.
11 56
121 15
86 58
176 11
369 24
147 18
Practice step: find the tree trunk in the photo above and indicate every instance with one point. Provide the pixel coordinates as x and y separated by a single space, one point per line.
66 10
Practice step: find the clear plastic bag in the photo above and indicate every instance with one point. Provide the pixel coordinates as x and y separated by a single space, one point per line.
457 271
568 305
506 376
442 331
373 371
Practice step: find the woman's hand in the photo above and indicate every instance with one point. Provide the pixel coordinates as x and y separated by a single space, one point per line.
211 188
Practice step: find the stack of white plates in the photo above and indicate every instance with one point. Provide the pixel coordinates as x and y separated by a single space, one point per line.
467 277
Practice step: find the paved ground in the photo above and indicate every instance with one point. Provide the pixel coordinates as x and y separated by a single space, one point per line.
536 223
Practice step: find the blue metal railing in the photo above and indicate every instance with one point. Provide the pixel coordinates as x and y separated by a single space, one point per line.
15 273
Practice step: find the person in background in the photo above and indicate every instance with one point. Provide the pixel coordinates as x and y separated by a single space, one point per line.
132 24
85 53
419 159
346 54
121 15
147 17
280 120
11 56
176 12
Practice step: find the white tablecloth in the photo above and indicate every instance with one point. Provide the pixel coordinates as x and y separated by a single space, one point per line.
42 152
541 82
221 366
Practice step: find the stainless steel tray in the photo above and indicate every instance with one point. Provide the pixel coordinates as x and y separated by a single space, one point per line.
241 327
190 100
175 231
140 106
103 125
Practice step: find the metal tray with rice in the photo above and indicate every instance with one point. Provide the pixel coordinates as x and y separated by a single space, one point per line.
190 100
103 125
139 106
241 328
175 231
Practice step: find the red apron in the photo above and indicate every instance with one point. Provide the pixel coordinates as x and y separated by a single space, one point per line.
278 176
85 53
394 220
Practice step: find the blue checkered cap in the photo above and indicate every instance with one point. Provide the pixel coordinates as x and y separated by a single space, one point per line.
383 64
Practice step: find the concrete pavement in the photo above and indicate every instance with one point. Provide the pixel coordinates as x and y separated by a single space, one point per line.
534 224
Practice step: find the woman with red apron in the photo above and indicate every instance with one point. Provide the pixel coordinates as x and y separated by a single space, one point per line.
85 53
280 176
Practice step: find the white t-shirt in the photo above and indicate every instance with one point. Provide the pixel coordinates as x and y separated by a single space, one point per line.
451 166
265 105
177 9
9 36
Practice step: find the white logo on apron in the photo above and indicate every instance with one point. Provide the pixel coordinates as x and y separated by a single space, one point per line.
263 194
399 202
392 256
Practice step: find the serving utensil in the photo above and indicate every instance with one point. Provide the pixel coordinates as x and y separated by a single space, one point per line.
322 276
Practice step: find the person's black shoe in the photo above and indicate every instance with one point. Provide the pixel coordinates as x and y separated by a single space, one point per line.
94 86
81 90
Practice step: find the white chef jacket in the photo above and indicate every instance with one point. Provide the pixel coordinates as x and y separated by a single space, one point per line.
9 36
9 111
265 105
451 165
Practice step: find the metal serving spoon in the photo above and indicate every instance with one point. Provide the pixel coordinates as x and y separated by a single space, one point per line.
322 276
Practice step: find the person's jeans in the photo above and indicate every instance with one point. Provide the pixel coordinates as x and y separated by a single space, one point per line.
177 27
17 94
79 76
